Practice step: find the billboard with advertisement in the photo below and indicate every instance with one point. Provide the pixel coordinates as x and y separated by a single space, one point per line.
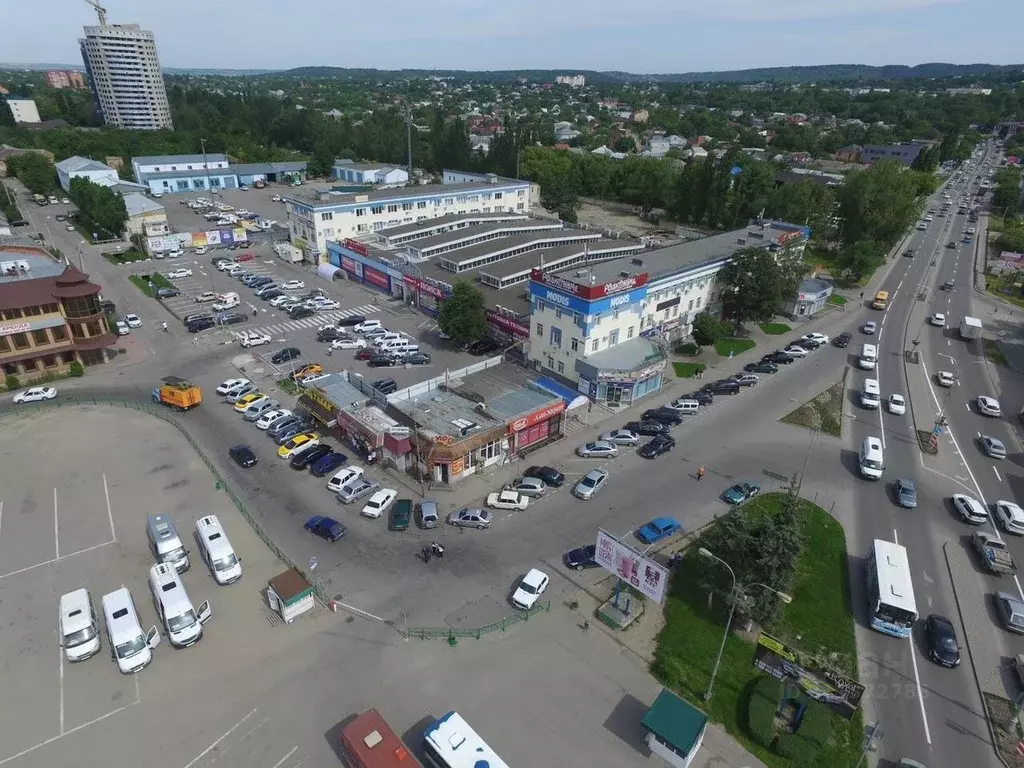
377 278
586 306
641 573
356 247
589 292
428 288
508 324
841 694
536 417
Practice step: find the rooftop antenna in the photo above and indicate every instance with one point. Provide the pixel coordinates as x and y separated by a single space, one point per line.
100 11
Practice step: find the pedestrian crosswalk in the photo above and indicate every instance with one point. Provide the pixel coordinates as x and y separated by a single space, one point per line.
321 318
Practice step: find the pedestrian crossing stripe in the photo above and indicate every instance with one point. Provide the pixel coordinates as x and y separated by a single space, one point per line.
324 318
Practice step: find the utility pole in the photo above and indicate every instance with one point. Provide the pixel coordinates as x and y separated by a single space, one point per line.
206 167
874 734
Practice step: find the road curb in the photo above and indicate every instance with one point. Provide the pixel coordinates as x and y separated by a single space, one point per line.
970 651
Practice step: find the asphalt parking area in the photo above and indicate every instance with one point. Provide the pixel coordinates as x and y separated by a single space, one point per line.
77 485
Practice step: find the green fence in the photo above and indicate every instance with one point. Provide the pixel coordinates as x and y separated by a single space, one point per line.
164 413
451 634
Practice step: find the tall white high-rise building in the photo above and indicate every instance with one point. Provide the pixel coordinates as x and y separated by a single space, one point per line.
124 73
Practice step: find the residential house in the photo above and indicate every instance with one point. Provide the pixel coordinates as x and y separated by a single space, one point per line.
76 167
369 173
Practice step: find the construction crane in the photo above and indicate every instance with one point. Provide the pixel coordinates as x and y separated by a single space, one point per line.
100 11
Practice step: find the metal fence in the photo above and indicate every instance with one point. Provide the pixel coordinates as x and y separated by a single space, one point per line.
162 412
451 634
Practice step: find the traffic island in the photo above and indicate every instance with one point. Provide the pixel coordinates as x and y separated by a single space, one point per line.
927 442
1006 729
823 412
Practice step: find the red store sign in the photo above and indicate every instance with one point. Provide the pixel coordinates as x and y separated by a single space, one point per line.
356 247
348 264
589 292
379 279
535 418
425 287
508 324
789 236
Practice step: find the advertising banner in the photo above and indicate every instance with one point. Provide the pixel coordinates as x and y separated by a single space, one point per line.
508 324
641 573
12 328
356 247
589 292
377 278
538 416
837 691
348 264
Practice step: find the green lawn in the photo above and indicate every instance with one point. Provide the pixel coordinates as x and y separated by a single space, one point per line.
725 347
289 386
687 370
687 349
994 353
124 257
141 284
775 329
836 299
820 615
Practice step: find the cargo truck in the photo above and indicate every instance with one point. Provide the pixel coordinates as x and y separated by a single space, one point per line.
995 557
970 328
178 393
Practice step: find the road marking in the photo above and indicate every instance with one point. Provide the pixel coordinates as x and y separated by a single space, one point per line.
997 474
1 515
55 559
56 534
920 693
223 736
110 514
281 761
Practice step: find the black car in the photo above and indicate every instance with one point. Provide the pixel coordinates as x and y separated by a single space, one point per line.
243 456
702 397
352 320
664 415
419 358
327 463
943 647
167 293
330 334
301 312
382 361
385 386
842 340
779 357
108 306
723 387
551 476
200 324
307 457
659 445
909 253
483 347
581 557
196 316
809 344
261 281
762 367
232 318
273 293
647 428
948 285
284 355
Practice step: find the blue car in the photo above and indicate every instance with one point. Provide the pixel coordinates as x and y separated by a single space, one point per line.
325 527
327 464
659 528
741 492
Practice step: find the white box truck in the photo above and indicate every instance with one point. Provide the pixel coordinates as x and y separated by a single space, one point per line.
970 328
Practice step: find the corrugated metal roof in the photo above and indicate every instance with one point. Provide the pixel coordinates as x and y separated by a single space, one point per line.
175 159
78 163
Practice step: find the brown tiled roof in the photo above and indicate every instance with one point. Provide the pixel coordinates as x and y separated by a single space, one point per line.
71 283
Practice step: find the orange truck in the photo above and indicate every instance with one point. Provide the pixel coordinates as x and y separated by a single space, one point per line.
178 393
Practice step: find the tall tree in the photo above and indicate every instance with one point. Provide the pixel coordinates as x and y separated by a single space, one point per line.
756 283
6 115
463 315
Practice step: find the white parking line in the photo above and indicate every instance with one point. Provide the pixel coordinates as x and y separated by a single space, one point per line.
28 568
110 514
997 474
281 761
223 736
1 516
56 533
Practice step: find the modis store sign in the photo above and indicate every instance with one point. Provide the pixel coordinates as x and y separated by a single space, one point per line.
589 292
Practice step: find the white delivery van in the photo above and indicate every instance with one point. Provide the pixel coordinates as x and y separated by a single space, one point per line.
871 394
868 357
183 625
131 649
871 459
165 543
218 554
227 300
79 627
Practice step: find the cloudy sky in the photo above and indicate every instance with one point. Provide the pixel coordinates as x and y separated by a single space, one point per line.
653 36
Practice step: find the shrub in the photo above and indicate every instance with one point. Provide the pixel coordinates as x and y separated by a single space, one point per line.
12 383
764 703
76 369
687 349
811 735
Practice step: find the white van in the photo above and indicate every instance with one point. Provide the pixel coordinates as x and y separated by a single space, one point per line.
868 357
871 395
184 627
165 543
871 459
226 301
131 649
218 554
79 627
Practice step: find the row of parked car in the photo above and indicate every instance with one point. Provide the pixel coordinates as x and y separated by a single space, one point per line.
372 342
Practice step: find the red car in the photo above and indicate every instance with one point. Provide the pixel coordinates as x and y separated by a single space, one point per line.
247 256
365 353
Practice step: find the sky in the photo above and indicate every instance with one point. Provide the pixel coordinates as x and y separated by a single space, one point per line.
657 36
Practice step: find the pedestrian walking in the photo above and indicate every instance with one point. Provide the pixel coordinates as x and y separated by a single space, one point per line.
700 373
700 472
862 294
255 311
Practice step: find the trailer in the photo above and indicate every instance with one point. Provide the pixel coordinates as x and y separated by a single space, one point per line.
970 328
178 393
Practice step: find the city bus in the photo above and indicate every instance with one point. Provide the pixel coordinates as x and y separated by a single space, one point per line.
881 300
451 743
369 742
891 605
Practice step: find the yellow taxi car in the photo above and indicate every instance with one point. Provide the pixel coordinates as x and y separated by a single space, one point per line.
298 444
246 400
308 370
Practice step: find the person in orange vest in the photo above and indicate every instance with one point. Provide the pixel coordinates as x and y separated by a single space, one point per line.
700 472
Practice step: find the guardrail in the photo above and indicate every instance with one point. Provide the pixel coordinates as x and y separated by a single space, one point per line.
161 412
452 634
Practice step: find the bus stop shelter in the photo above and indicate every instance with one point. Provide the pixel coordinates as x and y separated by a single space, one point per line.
675 729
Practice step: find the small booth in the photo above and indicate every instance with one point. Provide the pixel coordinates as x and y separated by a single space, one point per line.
290 595
675 729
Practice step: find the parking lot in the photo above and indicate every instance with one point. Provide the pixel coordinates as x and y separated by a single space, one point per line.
77 486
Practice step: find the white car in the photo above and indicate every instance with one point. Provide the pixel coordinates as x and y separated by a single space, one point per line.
970 509
65 201
292 285
276 198
897 404
367 325
507 500
348 344
177 274
254 339
277 301
267 418
945 379
133 321
378 504
343 477
313 378
821 338
1010 517
225 265
35 394
922 226
122 329
204 297
176 253
230 384
989 406
938 320
201 250
325 304
530 589
970 230
870 327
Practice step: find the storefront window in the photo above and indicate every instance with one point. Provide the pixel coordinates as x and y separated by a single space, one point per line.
5 345
40 337
490 451
59 333
20 340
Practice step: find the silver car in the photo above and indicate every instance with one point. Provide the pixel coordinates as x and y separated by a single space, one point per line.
621 437
599 449
236 394
528 486
254 412
590 484
992 446
468 517
356 489
1011 611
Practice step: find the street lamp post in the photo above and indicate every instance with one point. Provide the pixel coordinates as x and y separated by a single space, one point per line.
735 592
